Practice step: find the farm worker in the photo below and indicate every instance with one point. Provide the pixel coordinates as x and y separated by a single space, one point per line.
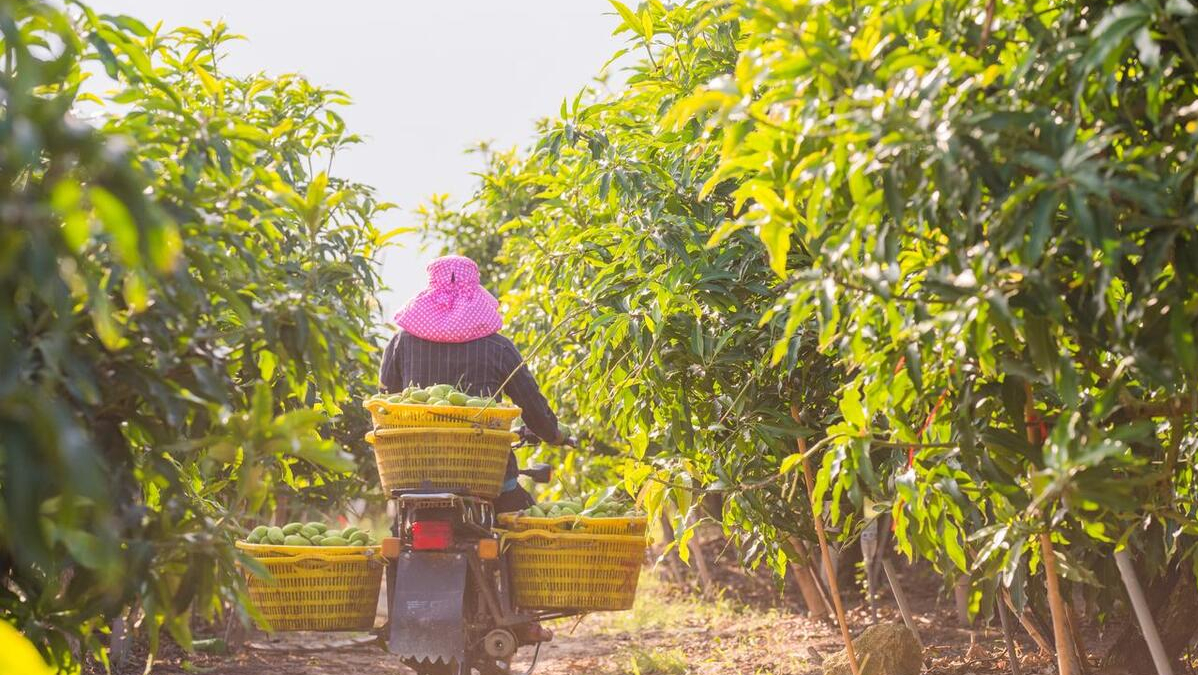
449 334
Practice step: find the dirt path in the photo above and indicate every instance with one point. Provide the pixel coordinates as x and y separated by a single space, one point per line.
669 632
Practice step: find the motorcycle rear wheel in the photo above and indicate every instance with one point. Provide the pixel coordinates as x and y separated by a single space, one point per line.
436 668
455 669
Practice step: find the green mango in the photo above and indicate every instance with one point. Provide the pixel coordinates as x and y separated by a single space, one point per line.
316 539
535 511
419 395
457 398
319 527
275 535
295 540
334 541
440 390
442 403
308 531
476 403
292 528
259 532
361 539
349 532
253 540
332 533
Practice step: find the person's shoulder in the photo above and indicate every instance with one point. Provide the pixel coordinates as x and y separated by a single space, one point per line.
503 345
500 340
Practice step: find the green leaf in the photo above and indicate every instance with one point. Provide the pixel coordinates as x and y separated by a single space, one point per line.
630 19
790 462
118 223
852 407
646 23
775 234
210 84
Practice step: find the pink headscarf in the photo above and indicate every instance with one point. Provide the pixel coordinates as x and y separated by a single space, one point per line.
454 307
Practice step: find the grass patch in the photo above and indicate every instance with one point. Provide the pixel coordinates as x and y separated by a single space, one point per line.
658 609
657 662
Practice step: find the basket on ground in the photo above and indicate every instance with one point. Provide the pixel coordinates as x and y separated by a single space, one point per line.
334 588
627 525
406 415
471 461
574 571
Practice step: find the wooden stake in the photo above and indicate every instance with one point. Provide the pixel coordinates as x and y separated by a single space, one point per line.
1028 624
1012 657
900 598
1139 603
1075 638
1056 605
1060 627
823 546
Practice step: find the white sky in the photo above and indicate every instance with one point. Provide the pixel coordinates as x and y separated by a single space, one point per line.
429 78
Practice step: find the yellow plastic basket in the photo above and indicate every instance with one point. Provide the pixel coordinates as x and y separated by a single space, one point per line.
405 415
574 571
586 524
453 460
316 588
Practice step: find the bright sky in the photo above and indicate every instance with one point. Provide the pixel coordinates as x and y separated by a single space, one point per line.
429 78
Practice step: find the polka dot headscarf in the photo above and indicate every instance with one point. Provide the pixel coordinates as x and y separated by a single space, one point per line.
454 307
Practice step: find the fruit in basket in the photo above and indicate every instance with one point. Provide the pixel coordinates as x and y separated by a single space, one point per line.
596 506
309 534
439 395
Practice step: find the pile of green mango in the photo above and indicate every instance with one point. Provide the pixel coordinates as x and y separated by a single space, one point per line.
309 534
438 394
573 507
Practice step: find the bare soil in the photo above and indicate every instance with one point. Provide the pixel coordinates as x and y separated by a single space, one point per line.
748 627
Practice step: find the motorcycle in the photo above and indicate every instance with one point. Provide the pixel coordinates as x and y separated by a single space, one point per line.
450 604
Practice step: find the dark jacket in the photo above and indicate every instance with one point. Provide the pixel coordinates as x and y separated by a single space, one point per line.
484 367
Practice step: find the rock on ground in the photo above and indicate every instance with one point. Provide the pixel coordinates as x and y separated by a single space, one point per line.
882 649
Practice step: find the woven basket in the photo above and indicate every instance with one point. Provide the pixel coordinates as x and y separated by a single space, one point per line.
574 571
316 588
586 524
407 415
471 461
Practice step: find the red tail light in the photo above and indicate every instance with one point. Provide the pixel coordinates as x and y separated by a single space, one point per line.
432 535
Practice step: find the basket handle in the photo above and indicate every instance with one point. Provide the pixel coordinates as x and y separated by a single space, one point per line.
543 538
323 558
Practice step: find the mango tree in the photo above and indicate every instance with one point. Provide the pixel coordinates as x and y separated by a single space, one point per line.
998 204
978 219
185 319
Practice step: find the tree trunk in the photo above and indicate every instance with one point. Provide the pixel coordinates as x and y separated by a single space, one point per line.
672 564
817 605
700 562
1174 599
